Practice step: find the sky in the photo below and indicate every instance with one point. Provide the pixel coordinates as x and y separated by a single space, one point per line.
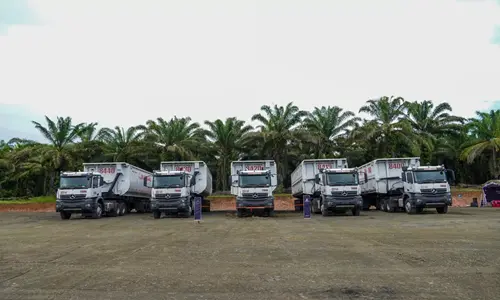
125 62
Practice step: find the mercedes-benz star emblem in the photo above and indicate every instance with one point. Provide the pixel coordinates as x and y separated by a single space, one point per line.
344 193
72 196
167 196
434 191
254 196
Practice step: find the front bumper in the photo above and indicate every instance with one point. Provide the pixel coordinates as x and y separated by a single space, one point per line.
334 203
251 203
170 205
76 206
427 201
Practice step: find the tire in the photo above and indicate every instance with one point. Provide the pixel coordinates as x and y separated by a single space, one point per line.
114 212
356 211
97 213
420 210
239 213
270 213
324 212
442 210
156 214
65 215
388 207
121 209
411 210
380 204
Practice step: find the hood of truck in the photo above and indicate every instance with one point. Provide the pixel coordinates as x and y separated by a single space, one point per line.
255 190
345 188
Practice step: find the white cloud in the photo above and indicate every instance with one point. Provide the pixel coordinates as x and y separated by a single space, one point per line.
123 62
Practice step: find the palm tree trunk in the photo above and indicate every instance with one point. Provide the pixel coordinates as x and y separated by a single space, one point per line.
494 163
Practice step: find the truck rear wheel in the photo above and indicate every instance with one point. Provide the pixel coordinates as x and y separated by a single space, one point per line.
122 209
65 215
442 210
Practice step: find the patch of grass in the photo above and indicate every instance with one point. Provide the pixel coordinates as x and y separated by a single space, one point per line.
464 190
42 199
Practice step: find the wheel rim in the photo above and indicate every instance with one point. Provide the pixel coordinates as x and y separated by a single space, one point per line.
388 207
99 210
408 206
322 208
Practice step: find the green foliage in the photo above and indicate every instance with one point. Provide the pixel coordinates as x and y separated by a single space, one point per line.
287 134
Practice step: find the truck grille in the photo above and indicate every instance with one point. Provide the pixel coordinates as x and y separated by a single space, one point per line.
251 195
70 197
429 192
170 196
348 194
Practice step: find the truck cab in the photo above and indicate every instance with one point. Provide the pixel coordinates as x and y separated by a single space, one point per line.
82 192
426 187
172 193
254 191
340 191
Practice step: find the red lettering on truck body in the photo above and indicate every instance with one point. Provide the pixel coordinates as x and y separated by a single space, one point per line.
183 168
254 167
395 165
325 166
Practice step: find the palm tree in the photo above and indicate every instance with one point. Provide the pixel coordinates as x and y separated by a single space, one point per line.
325 124
387 129
61 135
179 138
277 129
485 134
122 145
431 123
228 141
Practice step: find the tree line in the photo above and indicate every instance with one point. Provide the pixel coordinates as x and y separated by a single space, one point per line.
287 134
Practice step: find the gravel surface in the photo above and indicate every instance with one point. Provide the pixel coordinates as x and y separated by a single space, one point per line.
375 256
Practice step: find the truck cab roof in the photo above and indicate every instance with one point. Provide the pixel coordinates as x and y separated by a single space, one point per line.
254 172
80 173
166 173
340 170
425 168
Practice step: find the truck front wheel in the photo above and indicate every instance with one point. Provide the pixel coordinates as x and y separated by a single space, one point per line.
156 214
356 211
324 211
97 213
65 215
410 209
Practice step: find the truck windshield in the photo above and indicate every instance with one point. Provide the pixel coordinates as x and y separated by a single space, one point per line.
429 176
168 181
342 179
74 182
255 180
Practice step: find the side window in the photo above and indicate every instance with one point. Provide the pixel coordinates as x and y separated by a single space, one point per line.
403 177
95 182
409 177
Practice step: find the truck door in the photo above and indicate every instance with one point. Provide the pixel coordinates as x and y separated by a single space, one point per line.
409 186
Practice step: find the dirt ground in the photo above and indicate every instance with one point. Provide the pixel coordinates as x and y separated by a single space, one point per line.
375 256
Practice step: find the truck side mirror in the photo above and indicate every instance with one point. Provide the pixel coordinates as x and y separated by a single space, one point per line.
451 176
192 181
317 180
145 181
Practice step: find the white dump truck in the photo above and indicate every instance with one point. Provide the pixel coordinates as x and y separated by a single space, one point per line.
393 184
176 185
253 183
110 188
332 185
